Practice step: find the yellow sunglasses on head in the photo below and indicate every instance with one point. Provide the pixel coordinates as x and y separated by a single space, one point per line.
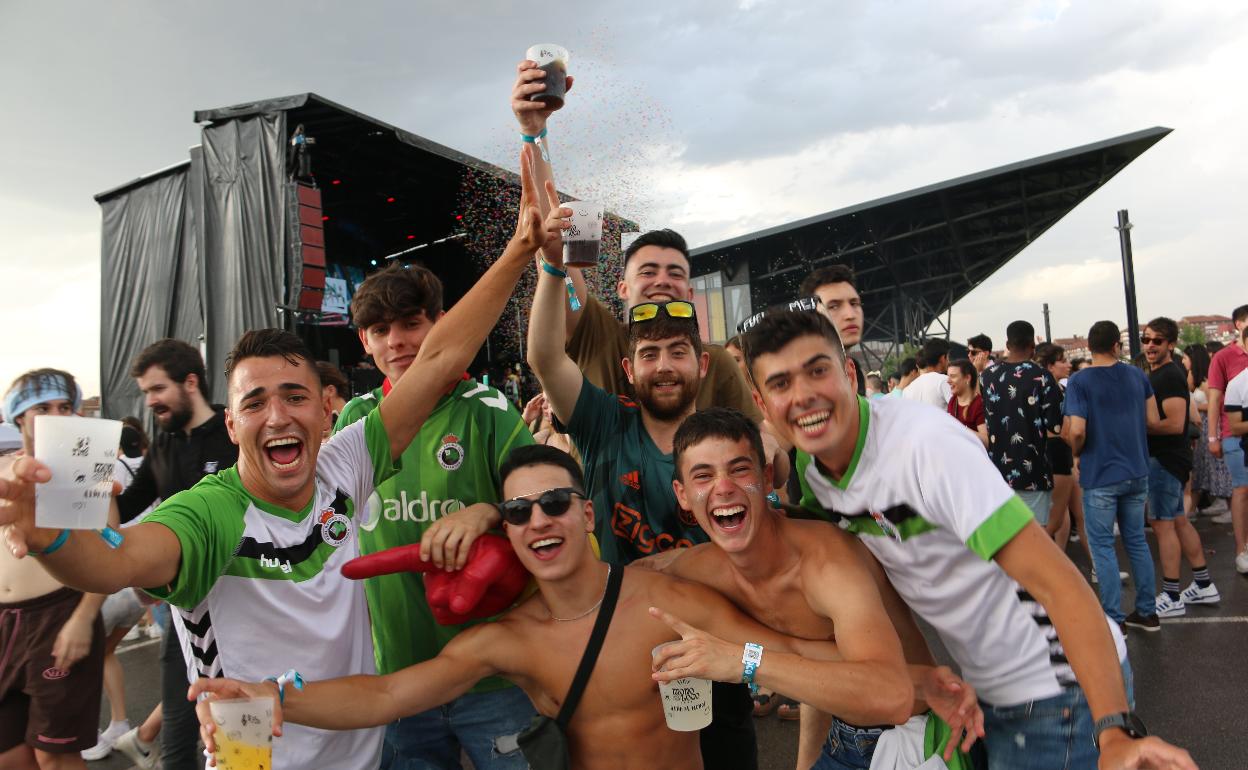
648 311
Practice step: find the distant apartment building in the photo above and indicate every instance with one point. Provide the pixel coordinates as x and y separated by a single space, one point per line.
1215 327
1076 347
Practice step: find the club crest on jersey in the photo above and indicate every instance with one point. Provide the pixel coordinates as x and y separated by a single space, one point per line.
335 528
451 454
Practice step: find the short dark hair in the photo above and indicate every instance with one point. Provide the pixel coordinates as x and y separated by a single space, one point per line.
826 275
777 329
716 422
1048 353
665 238
179 360
1213 346
980 342
932 350
907 367
1020 335
396 292
269 343
540 454
663 327
967 368
1199 358
876 381
332 375
1103 336
1166 326
1239 313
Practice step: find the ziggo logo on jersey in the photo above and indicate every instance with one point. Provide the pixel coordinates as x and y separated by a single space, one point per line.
416 508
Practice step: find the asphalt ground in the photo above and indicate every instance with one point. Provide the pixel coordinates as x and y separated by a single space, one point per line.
1188 676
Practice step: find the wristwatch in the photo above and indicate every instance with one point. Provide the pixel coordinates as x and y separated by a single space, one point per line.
1127 721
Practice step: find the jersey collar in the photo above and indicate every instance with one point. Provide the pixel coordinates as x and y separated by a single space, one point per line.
864 419
387 386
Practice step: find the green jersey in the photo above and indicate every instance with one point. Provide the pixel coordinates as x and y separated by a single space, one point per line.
452 462
629 479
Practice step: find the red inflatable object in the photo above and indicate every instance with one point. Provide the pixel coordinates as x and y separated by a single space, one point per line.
489 583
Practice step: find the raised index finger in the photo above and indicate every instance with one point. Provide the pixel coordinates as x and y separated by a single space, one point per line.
673 622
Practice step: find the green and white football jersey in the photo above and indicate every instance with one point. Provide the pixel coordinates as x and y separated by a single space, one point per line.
259 588
923 496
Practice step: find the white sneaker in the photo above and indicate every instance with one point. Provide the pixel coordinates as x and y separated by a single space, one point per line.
154 631
104 745
1241 562
1194 594
143 755
1221 518
133 634
1169 608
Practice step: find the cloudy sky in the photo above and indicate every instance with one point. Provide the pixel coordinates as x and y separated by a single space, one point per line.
716 118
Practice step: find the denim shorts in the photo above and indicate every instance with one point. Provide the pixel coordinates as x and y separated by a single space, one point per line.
1233 456
1040 501
1165 493
848 747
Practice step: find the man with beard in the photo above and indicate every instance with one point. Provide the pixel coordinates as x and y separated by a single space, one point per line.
192 443
626 447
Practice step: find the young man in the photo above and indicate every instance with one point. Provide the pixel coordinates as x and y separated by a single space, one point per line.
1226 366
442 497
961 549
931 386
908 372
841 304
192 443
1109 411
537 644
979 351
802 578
656 269
1169 465
251 555
51 637
1022 404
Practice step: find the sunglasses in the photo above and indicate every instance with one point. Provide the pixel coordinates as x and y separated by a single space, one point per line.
1145 340
648 311
803 304
554 502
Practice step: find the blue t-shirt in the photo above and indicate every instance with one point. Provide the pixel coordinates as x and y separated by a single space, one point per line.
1113 400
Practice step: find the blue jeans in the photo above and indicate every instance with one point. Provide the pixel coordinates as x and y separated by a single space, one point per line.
1165 493
848 747
1233 456
1122 502
431 740
1050 734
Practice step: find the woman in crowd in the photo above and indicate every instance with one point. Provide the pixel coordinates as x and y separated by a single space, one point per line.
1066 496
966 405
1210 479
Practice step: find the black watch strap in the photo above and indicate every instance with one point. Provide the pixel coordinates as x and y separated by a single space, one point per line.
1126 720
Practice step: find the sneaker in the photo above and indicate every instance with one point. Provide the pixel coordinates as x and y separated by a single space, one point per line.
104 745
1241 563
1074 537
1194 594
134 634
1169 608
144 755
1142 622
1221 518
154 631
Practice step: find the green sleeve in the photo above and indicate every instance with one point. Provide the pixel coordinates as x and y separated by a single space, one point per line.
355 410
595 418
377 442
208 522
1000 527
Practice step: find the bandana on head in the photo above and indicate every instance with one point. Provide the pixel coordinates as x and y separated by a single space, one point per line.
37 391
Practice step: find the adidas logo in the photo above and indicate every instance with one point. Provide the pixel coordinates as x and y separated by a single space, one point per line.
631 479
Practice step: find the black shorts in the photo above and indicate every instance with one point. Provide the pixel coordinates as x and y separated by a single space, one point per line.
42 706
1061 458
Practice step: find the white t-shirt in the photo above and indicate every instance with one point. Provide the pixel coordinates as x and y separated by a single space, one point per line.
930 388
925 499
1236 399
124 471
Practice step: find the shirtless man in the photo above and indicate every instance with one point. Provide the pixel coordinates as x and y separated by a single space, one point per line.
620 722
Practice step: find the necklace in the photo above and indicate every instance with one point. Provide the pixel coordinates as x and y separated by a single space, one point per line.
597 604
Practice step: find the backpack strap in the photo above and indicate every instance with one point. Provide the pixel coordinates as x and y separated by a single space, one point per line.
583 671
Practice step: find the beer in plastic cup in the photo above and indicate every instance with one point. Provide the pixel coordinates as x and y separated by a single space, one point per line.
686 701
81 452
582 243
626 240
244 733
553 60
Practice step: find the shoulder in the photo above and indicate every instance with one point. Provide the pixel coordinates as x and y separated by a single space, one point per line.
218 496
357 408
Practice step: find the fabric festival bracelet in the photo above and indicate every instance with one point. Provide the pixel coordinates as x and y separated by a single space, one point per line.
573 301
291 677
751 659
53 547
531 139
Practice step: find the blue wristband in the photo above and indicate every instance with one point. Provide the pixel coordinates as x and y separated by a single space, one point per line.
54 546
291 677
751 659
532 139
551 269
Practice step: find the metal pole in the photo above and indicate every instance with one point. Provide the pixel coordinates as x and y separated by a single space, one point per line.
1048 333
1128 281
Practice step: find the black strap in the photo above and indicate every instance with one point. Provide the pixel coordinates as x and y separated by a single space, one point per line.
614 578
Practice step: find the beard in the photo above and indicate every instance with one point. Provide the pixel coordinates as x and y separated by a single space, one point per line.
667 408
178 415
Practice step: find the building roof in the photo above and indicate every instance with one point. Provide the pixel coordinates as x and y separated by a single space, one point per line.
1205 319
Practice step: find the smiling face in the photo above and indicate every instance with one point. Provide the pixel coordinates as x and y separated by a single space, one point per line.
1060 368
655 274
550 547
808 394
169 401
394 344
724 484
276 414
666 375
843 307
959 383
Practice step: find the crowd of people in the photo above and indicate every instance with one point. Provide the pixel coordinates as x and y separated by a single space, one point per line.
762 515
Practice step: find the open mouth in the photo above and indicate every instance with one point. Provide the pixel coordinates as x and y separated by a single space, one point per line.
812 423
729 517
546 548
666 385
284 453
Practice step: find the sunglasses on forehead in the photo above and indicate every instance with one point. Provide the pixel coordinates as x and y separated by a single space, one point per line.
801 304
554 502
648 311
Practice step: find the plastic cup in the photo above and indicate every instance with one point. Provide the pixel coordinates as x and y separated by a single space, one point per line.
686 701
553 59
81 453
626 240
244 733
582 243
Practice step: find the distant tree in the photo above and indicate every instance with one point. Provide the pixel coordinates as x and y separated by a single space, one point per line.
1191 334
892 362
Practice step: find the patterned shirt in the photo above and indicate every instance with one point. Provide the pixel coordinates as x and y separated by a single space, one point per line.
1021 403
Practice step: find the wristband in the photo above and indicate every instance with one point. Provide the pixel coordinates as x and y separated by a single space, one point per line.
293 677
551 269
573 301
53 546
531 139
111 536
751 659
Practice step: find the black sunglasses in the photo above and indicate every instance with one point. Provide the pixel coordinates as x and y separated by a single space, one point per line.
554 502
805 304
1146 340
